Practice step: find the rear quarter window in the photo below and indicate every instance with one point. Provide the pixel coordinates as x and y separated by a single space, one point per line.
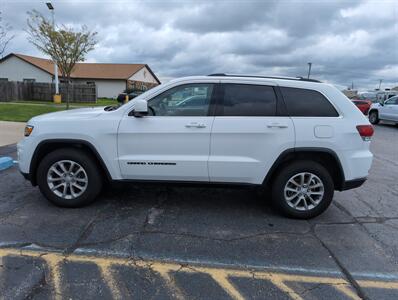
307 103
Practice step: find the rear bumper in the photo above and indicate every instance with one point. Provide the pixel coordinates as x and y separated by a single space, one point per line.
356 164
352 184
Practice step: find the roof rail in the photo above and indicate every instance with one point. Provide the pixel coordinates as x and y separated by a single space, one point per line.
260 76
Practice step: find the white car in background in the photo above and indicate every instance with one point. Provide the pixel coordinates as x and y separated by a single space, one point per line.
387 111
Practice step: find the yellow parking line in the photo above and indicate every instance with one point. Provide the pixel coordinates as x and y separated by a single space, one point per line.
107 275
164 271
222 276
390 285
222 279
53 262
345 289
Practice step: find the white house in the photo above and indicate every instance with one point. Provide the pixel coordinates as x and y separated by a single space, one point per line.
110 79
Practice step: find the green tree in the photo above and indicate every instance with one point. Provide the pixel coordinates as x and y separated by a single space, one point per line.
65 46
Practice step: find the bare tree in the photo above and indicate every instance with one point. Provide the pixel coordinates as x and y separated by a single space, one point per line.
5 36
65 46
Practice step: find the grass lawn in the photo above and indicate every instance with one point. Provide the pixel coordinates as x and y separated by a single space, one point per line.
100 102
22 111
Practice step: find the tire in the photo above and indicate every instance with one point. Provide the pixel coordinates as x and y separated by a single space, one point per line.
321 195
83 179
374 117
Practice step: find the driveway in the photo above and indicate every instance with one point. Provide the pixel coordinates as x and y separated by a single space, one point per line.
11 132
147 241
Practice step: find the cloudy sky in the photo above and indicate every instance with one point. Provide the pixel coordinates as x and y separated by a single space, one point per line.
347 41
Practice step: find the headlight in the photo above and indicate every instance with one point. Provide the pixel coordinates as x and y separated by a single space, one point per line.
28 130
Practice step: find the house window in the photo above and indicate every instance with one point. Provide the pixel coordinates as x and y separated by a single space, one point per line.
29 80
90 82
3 79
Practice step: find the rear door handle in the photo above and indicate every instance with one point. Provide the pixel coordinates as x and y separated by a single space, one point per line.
276 125
195 125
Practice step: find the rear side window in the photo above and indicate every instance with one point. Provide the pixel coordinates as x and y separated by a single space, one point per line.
307 103
248 100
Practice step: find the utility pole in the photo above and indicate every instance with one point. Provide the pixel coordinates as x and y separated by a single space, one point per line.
309 69
352 85
380 80
51 8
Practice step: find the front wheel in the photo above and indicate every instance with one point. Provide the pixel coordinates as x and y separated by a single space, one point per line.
69 178
374 117
302 190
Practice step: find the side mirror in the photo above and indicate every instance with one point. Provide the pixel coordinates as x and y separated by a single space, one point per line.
140 108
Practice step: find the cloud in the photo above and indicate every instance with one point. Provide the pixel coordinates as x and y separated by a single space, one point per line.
347 41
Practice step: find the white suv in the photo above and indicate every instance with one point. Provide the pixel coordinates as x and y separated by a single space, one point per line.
302 138
387 111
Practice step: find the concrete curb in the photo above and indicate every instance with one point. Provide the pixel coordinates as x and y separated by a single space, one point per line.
6 162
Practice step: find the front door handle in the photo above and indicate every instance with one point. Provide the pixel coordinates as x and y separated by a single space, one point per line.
195 125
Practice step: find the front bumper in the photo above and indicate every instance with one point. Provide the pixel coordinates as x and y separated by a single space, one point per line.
26 175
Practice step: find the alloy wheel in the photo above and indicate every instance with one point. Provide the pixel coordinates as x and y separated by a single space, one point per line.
67 179
304 191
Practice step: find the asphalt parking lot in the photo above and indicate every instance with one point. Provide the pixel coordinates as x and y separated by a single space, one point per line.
163 242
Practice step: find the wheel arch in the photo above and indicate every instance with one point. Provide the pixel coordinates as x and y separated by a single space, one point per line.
47 146
324 156
373 110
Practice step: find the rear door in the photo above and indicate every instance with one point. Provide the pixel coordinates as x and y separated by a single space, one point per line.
249 132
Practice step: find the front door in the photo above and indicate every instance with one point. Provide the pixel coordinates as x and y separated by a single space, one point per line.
389 111
172 142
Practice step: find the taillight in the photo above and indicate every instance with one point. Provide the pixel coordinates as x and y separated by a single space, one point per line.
365 131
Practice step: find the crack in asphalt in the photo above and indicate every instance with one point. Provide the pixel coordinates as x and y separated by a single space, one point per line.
162 197
38 287
373 220
84 233
376 220
342 268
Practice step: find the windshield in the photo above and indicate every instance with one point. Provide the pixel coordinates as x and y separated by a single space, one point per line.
368 96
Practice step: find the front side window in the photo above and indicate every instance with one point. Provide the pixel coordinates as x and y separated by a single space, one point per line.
248 100
392 101
307 103
184 100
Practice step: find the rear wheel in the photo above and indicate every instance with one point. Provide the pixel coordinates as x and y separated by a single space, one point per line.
374 117
302 189
69 178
